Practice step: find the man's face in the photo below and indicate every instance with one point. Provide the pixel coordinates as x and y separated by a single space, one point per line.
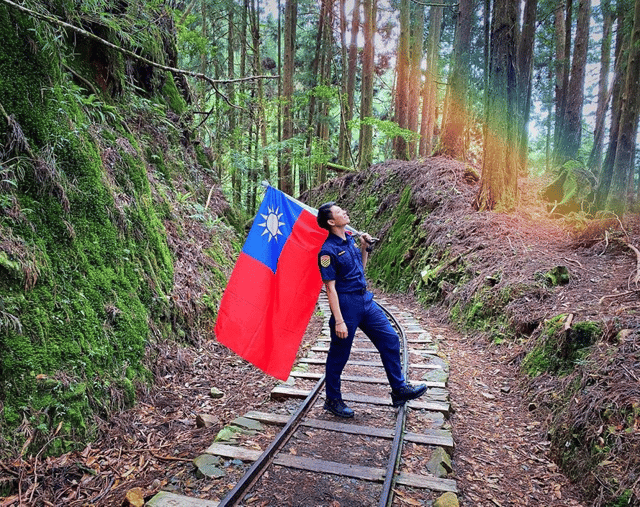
339 217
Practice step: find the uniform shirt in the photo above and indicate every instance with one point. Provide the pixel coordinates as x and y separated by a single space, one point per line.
341 260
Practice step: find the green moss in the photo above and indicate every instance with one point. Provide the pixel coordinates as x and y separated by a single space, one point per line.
485 312
102 275
558 350
623 500
390 266
172 95
557 276
201 156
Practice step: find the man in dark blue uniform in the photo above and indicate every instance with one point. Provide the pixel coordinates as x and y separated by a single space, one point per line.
342 266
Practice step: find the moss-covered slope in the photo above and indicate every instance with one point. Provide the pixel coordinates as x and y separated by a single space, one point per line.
93 231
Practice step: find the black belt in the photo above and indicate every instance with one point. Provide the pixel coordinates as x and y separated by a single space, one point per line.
361 292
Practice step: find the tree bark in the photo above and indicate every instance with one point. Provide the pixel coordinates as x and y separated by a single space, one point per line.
415 74
606 173
402 81
429 89
236 180
525 65
623 163
261 119
342 137
499 183
322 130
351 66
452 140
290 20
366 104
563 49
316 65
595 157
571 134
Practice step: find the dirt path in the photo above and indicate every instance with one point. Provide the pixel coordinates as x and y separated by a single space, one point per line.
501 456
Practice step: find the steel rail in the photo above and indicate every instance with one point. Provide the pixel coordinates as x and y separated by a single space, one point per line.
386 498
253 474
257 469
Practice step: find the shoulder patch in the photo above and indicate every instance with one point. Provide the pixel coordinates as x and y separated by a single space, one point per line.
325 261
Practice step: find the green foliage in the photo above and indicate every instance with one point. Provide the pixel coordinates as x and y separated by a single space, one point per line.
192 43
388 129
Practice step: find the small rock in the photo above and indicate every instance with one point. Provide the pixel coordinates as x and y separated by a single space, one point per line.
488 396
216 393
205 421
440 463
206 465
447 500
435 376
247 423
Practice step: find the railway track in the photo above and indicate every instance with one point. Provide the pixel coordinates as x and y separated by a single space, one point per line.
297 454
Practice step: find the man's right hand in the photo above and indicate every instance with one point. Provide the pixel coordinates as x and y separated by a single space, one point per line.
341 330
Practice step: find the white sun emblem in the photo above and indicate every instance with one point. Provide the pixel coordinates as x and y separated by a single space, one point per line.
272 223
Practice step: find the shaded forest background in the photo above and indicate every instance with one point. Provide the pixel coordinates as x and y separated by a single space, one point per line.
135 136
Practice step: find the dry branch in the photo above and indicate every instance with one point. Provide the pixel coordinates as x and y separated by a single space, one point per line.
636 278
616 295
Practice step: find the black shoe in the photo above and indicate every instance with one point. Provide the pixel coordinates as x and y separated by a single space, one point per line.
337 407
405 393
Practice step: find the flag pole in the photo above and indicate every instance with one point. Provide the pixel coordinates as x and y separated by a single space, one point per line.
314 211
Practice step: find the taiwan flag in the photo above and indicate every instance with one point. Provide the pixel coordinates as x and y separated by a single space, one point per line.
274 286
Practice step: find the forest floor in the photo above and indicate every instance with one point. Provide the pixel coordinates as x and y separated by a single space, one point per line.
502 455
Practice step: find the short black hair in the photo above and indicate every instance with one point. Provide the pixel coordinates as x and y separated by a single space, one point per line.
324 214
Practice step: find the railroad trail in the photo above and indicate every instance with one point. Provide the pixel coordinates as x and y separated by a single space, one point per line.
294 453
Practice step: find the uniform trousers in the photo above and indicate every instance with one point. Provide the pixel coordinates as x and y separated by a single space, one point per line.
361 311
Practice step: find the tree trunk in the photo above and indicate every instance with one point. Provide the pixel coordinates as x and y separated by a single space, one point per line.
279 127
499 183
351 81
625 153
417 51
595 157
429 89
290 20
402 80
486 23
571 134
525 64
563 49
322 130
236 180
257 67
312 120
452 141
366 103
343 143
244 120
606 173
